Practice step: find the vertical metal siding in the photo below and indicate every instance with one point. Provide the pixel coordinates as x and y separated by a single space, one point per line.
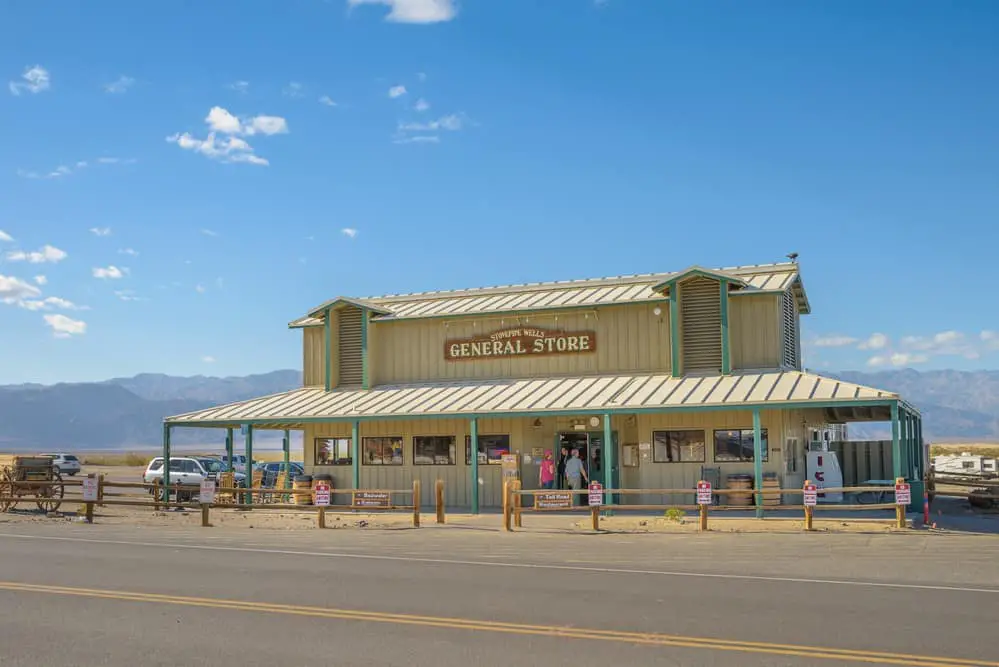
349 335
755 332
314 357
700 308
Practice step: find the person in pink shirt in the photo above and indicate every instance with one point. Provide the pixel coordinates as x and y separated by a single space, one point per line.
547 471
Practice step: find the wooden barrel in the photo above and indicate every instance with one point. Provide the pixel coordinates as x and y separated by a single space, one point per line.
303 483
317 479
740 482
771 489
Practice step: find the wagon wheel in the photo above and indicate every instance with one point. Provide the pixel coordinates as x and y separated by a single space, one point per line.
6 491
50 497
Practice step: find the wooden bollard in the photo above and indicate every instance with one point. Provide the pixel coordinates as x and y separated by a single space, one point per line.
899 509
704 518
808 517
507 511
416 503
517 486
322 516
439 494
204 515
90 512
100 490
595 516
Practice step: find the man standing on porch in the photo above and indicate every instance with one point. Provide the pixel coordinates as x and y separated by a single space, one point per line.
575 474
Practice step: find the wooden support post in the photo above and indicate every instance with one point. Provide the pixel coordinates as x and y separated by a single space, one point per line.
90 512
507 505
204 515
899 509
416 503
100 490
156 495
517 486
439 496
704 517
808 517
322 516
595 516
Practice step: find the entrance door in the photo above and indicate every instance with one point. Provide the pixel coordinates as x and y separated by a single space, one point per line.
592 452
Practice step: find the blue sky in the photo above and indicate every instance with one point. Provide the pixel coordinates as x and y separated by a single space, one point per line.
482 142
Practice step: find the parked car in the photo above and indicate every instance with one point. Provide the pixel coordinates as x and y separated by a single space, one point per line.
188 472
238 462
65 464
272 469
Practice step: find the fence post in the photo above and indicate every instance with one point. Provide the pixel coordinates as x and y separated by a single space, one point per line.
204 515
704 517
506 506
100 490
416 503
517 486
808 508
439 496
322 516
595 515
899 509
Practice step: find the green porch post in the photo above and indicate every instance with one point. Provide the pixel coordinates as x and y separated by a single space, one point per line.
674 331
473 448
355 454
903 426
758 462
286 446
726 356
328 355
608 459
166 462
896 449
365 371
920 447
228 450
910 432
248 429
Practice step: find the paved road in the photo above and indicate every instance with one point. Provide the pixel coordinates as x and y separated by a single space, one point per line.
120 596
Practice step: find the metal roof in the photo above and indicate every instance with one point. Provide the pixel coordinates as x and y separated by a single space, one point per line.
538 396
590 292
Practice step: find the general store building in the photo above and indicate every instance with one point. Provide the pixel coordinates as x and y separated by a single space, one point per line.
680 372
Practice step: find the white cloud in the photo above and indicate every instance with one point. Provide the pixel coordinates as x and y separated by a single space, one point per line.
128 295
327 101
450 123
397 91
64 327
47 253
64 170
990 339
876 341
41 280
239 86
5 237
35 80
128 251
50 303
14 289
421 105
414 11
293 89
120 85
230 148
110 273
419 139
266 125
100 231
349 232
209 232
833 341
208 359
200 289
220 120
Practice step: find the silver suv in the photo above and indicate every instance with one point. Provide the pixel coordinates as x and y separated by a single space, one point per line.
65 464
188 472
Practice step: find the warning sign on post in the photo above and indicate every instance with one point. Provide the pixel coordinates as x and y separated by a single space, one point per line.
322 492
596 493
207 494
89 489
811 495
704 493
903 494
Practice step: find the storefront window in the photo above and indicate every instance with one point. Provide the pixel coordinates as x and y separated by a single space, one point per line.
737 446
491 449
678 446
382 451
333 452
433 450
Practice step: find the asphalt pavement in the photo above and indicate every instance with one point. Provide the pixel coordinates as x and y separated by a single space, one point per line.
119 596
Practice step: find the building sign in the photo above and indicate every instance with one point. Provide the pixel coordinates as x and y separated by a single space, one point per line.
372 499
520 342
553 500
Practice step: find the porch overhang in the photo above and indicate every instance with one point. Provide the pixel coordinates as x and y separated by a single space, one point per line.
559 396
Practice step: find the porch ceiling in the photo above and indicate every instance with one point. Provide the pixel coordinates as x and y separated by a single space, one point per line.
576 395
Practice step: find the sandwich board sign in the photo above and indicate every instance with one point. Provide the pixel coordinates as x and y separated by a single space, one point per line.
811 495
704 493
322 491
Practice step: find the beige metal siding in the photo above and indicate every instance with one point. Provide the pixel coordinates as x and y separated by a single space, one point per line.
629 338
700 312
756 339
314 357
349 335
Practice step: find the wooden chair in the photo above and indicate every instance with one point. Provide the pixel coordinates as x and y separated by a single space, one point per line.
227 480
279 485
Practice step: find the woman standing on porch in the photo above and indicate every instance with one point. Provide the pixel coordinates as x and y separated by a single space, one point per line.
547 473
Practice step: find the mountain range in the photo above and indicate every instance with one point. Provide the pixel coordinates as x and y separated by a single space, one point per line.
127 413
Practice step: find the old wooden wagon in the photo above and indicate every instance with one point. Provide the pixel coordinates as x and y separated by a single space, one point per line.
31 478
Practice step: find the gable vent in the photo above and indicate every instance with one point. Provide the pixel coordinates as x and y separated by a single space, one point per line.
700 307
349 331
789 319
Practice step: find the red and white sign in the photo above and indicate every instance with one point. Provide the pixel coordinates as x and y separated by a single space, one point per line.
89 489
206 493
903 494
596 493
811 495
322 491
704 493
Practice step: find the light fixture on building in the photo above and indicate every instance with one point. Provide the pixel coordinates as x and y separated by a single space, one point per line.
537 423
594 421
657 311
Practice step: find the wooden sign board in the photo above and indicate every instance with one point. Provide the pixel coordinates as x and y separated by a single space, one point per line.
553 500
520 342
372 499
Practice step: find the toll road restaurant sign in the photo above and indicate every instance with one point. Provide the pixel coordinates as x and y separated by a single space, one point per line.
520 342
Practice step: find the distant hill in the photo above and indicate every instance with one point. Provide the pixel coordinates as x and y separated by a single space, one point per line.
126 413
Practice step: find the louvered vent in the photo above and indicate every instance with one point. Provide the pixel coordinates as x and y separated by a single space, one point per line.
700 307
789 314
351 364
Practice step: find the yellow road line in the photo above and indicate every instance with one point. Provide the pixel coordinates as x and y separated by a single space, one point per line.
638 638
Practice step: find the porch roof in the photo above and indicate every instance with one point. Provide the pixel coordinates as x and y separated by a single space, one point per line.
538 397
